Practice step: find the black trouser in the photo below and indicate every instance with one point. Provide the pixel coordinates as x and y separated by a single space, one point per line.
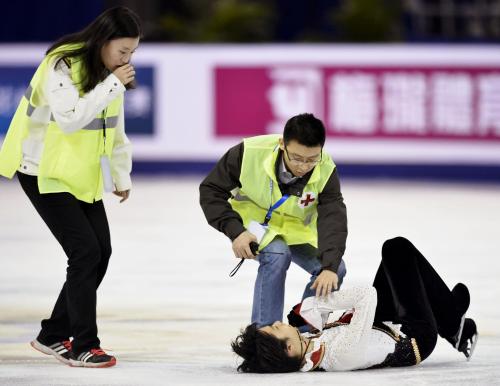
410 292
83 232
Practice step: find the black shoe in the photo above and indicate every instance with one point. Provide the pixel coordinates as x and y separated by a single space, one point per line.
95 357
461 297
60 350
468 340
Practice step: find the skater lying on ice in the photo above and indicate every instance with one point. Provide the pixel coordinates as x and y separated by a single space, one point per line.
394 323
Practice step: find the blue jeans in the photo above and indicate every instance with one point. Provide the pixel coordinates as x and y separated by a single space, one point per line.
269 290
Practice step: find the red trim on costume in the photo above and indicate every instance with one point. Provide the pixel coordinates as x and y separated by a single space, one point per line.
317 356
346 317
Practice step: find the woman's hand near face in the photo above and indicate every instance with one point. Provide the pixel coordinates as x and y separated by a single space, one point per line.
125 73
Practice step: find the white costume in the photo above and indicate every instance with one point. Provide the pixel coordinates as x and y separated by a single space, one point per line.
357 344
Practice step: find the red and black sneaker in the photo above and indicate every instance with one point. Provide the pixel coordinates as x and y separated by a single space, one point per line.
95 357
60 350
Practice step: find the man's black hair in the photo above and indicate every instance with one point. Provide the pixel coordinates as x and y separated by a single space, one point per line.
263 353
306 129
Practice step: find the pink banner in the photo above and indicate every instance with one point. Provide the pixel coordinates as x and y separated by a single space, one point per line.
365 102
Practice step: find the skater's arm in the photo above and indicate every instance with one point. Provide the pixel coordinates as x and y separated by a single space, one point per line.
215 190
348 347
363 299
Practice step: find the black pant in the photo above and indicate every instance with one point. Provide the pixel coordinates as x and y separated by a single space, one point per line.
410 292
83 232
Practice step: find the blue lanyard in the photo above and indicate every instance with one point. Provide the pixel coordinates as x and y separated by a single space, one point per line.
276 205
269 213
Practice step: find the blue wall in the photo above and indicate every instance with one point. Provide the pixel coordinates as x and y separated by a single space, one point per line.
45 21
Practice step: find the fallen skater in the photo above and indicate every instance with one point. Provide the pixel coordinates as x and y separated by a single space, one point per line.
393 323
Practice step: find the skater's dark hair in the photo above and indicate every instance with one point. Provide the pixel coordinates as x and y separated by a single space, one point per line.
263 353
114 23
306 129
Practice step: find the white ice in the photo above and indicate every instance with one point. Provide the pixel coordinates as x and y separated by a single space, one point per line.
168 310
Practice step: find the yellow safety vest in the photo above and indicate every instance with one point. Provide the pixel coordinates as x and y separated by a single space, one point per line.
69 162
295 220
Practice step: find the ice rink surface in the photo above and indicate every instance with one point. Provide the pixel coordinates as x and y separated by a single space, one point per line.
168 310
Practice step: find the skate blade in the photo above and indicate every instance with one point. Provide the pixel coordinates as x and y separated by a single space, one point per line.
460 330
473 346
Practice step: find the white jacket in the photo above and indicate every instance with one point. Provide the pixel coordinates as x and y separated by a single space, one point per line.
347 347
72 112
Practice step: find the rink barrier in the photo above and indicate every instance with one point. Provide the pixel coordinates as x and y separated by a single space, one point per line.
433 172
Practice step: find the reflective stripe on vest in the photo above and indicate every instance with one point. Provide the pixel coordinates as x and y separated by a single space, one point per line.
27 95
95 124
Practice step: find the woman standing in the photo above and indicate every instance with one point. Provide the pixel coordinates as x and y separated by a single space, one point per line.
394 323
67 143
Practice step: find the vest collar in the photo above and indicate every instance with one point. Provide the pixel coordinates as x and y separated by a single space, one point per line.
270 162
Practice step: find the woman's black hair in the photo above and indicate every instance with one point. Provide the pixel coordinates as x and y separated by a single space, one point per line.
263 353
114 23
306 129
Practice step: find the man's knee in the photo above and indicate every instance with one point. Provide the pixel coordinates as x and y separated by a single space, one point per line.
279 262
278 245
276 253
341 272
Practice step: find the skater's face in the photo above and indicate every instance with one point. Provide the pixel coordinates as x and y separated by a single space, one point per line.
117 52
282 331
300 159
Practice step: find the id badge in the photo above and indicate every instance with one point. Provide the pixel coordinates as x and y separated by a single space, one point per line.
107 179
258 230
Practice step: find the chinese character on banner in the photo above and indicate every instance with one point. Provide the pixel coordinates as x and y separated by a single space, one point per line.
489 105
451 96
404 103
294 91
353 103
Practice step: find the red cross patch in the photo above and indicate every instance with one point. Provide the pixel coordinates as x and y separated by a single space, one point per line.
307 199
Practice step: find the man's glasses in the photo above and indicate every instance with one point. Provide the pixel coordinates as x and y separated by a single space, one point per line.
299 161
